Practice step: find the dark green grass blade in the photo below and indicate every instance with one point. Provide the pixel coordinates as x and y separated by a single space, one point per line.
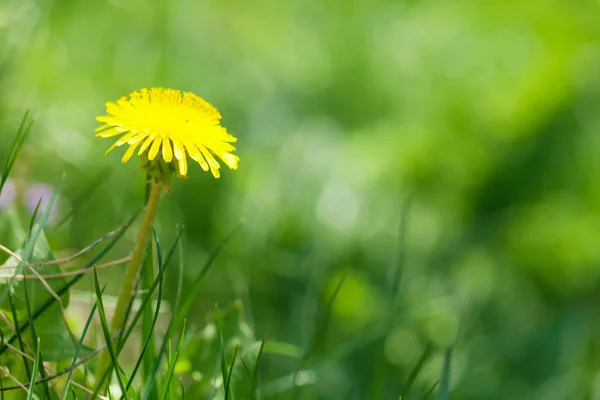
219 321
79 344
319 334
35 337
148 318
187 302
415 371
179 277
18 333
445 379
321 330
255 374
431 389
34 217
15 149
106 331
230 374
36 365
182 389
171 366
73 281
149 334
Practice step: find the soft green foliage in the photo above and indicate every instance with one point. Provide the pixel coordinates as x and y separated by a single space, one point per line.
438 158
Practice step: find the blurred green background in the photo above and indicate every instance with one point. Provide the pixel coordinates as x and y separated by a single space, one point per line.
481 120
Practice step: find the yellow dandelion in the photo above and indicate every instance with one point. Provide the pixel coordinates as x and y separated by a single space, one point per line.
170 123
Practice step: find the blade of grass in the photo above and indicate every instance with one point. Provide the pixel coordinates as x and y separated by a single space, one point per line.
445 379
15 149
36 364
254 390
431 389
179 277
322 329
79 345
171 366
148 338
106 331
415 371
319 334
148 318
18 333
230 374
224 374
35 338
73 281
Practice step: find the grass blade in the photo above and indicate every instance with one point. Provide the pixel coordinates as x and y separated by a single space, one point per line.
254 390
224 374
171 367
149 336
322 329
431 389
79 345
106 331
15 149
148 318
415 371
36 365
18 333
35 338
230 374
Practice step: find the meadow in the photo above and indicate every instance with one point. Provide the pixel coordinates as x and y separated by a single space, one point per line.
410 209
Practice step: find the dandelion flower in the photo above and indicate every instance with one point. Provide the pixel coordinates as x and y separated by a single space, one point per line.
165 126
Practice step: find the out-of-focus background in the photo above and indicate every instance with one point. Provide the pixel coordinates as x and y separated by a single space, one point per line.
477 121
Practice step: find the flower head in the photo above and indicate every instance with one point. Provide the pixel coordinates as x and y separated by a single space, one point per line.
166 126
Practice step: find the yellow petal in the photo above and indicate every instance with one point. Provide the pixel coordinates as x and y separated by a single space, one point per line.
154 149
230 159
125 138
101 128
110 148
183 166
129 152
193 152
111 132
210 158
145 145
178 150
166 150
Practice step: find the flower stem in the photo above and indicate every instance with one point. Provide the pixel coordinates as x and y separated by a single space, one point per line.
131 273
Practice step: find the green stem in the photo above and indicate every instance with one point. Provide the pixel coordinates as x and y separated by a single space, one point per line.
131 273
